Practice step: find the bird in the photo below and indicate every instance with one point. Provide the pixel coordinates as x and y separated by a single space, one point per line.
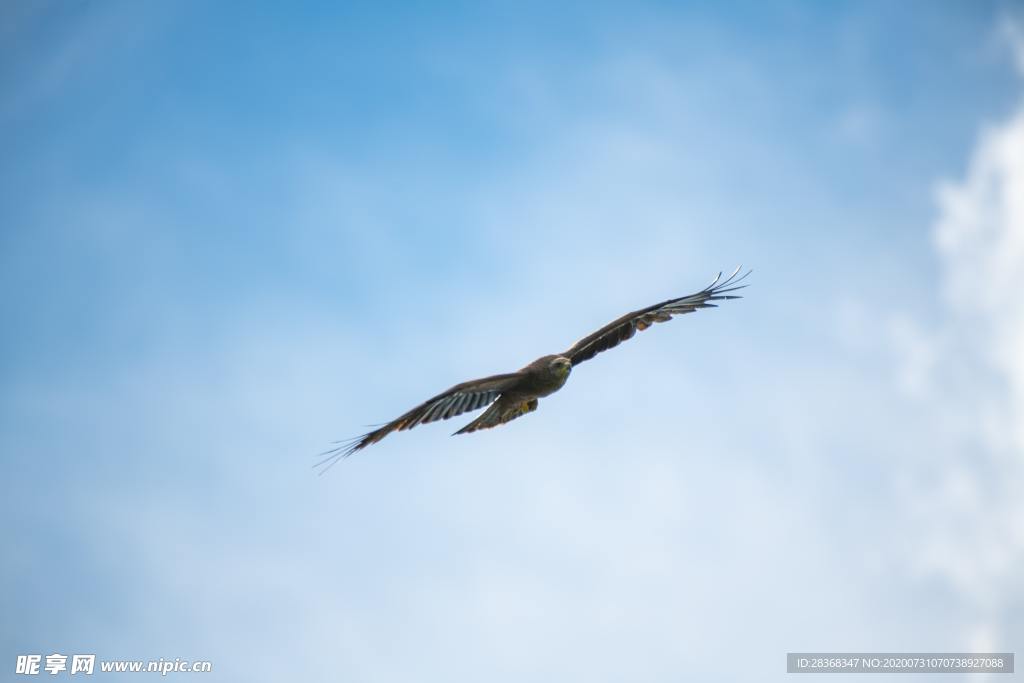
512 395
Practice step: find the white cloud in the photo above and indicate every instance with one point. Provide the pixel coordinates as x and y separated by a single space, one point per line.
970 513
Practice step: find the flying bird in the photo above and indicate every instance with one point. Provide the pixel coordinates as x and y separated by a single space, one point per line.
515 394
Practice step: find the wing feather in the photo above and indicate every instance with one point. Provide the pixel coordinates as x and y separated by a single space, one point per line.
618 331
457 400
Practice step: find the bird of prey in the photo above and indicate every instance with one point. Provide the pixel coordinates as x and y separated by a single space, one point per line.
515 394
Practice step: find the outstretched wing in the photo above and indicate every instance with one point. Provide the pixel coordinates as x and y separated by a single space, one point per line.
618 331
459 399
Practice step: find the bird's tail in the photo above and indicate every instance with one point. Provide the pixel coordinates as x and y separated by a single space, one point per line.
500 412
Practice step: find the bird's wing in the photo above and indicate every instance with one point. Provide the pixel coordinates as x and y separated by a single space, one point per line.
625 327
459 399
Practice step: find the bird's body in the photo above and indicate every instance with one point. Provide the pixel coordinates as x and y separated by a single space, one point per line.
545 376
541 378
515 394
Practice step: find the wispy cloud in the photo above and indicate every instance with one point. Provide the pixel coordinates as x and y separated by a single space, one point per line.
77 40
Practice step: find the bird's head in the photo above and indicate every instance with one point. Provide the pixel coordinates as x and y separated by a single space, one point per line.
561 366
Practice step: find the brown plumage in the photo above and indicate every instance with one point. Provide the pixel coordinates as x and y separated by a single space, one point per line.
515 394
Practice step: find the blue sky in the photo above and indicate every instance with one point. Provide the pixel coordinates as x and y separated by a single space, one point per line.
232 234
